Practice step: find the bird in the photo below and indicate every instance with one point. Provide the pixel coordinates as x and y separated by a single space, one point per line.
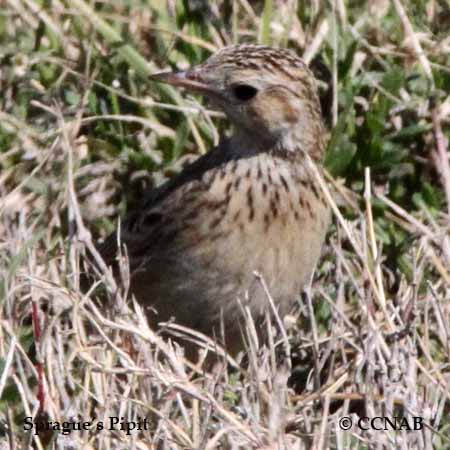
248 210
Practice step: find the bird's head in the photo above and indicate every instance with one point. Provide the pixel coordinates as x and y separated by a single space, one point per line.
269 95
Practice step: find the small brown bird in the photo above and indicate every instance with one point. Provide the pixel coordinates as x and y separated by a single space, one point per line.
249 205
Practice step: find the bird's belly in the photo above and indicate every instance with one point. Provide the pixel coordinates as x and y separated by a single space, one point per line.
281 256
200 284
236 244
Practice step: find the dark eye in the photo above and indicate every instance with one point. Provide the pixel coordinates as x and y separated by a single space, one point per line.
244 92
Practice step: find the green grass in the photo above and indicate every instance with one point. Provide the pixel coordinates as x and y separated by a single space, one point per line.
84 132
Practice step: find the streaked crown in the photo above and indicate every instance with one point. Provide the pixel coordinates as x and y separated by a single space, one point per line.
269 94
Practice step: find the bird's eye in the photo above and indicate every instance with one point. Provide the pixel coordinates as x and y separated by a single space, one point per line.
244 92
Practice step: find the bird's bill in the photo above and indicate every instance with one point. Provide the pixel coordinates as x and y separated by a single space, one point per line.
189 80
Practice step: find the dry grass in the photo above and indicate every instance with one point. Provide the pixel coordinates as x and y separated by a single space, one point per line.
81 136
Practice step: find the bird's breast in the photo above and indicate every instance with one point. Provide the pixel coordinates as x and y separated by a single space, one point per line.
257 214
261 215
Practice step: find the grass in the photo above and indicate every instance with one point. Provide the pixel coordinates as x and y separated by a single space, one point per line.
83 134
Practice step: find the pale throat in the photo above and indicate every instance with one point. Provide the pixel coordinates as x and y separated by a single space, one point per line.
298 137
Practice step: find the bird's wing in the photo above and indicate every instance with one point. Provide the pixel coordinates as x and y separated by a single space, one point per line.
157 216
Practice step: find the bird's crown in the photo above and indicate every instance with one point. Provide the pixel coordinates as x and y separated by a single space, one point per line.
269 94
